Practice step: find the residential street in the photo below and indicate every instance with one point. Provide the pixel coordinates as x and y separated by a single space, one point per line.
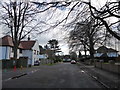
60 44
61 75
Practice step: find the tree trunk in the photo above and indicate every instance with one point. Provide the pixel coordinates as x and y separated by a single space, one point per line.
15 55
15 52
85 51
79 54
91 49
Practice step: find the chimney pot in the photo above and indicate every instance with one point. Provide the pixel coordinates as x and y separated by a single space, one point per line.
28 37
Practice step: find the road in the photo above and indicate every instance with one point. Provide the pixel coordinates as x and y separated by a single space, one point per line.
61 75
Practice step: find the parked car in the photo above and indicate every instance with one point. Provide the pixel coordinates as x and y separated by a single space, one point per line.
37 63
66 60
73 62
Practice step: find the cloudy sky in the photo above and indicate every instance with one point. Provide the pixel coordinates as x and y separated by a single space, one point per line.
58 33
50 17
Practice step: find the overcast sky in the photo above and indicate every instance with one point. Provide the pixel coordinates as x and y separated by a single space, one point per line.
58 33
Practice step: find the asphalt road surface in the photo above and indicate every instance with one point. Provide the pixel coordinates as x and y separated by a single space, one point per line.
61 75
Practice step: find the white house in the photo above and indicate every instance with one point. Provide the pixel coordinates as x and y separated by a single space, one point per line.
28 49
104 51
31 50
6 48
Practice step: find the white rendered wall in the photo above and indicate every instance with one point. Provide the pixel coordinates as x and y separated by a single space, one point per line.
5 52
35 56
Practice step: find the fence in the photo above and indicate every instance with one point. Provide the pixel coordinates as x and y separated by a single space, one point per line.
6 64
46 61
109 67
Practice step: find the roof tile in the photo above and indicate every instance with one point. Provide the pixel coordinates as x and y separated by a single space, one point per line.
27 44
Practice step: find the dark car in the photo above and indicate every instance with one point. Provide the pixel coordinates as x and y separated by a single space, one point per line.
73 62
37 63
66 60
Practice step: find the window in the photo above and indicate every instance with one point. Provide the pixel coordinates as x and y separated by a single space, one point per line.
34 51
37 52
12 49
20 50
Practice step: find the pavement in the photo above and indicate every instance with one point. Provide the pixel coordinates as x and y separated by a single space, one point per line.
108 79
11 73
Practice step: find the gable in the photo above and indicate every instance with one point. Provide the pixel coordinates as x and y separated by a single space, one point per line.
36 46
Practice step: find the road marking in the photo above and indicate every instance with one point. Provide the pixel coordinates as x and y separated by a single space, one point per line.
82 71
18 76
7 79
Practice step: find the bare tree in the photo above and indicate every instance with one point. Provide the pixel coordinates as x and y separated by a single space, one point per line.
21 19
16 15
109 10
87 35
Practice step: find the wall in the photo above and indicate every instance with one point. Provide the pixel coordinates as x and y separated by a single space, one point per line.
7 52
28 53
109 67
18 53
113 54
35 56
46 61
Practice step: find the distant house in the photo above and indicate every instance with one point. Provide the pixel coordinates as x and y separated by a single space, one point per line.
106 52
6 48
29 48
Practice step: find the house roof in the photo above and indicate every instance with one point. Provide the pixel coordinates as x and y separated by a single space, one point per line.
7 41
104 49
112 50
27 44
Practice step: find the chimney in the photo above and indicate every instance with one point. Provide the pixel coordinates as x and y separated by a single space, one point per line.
28 37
